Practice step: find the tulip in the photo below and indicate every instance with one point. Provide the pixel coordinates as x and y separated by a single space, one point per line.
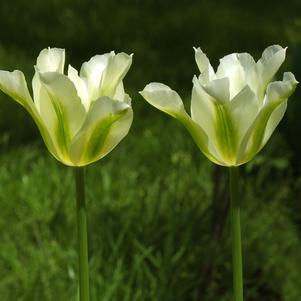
81 117
235 110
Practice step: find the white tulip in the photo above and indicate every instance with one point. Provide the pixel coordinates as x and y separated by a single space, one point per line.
81 117
235 110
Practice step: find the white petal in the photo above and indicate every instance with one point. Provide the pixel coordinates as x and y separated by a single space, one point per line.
218 89
271 60
61 110
202 108
203 112
243 110
119 93
273 122
206 70
80 86
163 98
250 70
231 68
92 71
36 88
108 122
280 90
168 101
14 85
116 69
268 117
51 60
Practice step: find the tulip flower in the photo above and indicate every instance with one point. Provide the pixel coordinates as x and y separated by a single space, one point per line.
81 117
234 112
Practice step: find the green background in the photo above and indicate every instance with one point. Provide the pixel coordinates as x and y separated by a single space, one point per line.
158 224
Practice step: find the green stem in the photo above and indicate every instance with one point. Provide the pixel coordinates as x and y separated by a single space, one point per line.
82 235
236 235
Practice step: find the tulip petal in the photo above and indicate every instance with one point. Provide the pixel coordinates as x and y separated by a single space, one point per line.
243 109
203 112
61 109
218 89
278 92
163 98
14 85
271 60
207 72
268 118
202 108
107 123
250 71
80 86
114 72
167 100
231 68
51 60
92 71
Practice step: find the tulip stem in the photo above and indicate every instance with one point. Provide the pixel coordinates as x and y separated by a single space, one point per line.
82 234
236 235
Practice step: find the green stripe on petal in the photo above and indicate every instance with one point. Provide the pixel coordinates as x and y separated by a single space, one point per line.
108 122
14 85
226 134
203 113
61 109
199 137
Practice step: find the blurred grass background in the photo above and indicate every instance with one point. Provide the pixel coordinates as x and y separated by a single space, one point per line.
158 225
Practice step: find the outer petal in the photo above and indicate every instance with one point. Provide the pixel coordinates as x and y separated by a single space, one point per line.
164 99
107 123
271 60
114 72
51 60
61 110
268 118
168 101
202 108
14 85
278 92
203 112
243 109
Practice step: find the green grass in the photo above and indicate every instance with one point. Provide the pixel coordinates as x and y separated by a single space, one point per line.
152 224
